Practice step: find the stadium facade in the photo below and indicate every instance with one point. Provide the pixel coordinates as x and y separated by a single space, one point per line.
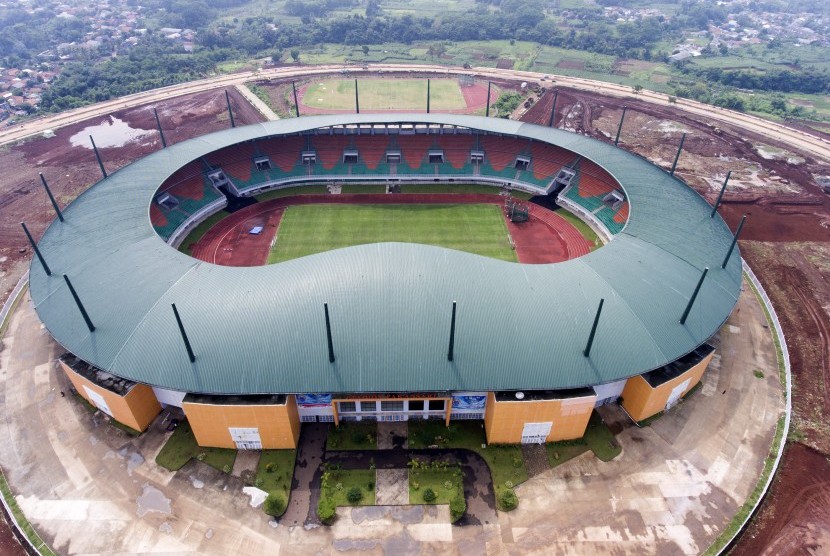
386 331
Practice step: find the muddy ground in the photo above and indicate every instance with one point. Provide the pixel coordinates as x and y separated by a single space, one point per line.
786 240
70 169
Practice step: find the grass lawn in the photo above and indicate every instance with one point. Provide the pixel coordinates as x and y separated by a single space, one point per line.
385 94
445 483
587 232
318 189
562 451
309 229
600 440
196 233
338 483
506 462
352 435
182 446
275 471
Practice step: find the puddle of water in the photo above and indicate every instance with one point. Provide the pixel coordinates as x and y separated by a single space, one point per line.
196 482
111 132
152 500
209 534
166 527
257 495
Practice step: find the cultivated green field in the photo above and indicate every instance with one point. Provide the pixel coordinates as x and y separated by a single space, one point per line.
309 229
385 94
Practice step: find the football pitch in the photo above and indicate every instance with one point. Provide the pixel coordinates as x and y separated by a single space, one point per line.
474 228
385 94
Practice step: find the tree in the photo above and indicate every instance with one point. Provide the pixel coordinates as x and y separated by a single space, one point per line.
354 495
508 500
429 495
326 510
457 508
365 50
373 8
638 88
274 505
295 55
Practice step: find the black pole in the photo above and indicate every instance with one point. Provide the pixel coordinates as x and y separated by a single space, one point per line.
79 304
158 124
720 195
230 112
356 98
619 127
296 104
553 110
451 351
427 96
98 157
51 197
694 296
189 349
328 327
677 156
587 351
487 113
37 251
734 241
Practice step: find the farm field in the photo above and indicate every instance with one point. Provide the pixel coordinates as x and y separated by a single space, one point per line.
308 229
385 94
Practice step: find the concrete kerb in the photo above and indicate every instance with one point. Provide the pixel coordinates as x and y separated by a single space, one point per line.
782 431
37 545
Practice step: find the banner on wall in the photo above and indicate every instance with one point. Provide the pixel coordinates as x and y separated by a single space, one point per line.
314 400
469 402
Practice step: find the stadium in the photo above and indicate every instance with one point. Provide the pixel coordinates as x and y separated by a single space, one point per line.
393 330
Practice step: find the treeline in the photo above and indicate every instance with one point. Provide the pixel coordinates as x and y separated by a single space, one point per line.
525 21
805 80
154 62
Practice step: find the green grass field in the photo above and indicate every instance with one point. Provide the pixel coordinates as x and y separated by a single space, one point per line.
385 94
309 229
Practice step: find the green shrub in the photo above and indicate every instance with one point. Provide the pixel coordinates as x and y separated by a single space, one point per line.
429 495
508 500
326 510
354 495
457 508
270 467
274 504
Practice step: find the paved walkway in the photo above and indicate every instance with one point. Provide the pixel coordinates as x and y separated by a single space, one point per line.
88 488
305 490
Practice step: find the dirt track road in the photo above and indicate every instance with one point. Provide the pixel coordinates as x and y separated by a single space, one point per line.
803 141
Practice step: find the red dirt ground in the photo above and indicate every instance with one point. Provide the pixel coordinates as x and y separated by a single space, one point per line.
545 238
475 96
9 545
800 521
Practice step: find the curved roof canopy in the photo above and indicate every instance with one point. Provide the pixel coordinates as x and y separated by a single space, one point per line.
262 329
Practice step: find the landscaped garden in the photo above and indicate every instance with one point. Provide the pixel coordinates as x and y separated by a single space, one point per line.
181 447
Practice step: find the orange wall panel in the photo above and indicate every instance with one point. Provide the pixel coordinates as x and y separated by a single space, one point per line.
279 425
136 409
641 401
505 421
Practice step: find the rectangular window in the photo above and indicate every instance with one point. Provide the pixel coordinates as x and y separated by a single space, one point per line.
368 406
346 407
436 405
416 405
390 405
262 163
522 163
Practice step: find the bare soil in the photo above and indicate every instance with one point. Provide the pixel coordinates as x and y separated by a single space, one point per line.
780 195
69 169
796 515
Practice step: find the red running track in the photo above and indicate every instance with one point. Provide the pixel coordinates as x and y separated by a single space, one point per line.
545 238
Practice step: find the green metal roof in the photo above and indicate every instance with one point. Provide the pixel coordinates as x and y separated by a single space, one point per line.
262 330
